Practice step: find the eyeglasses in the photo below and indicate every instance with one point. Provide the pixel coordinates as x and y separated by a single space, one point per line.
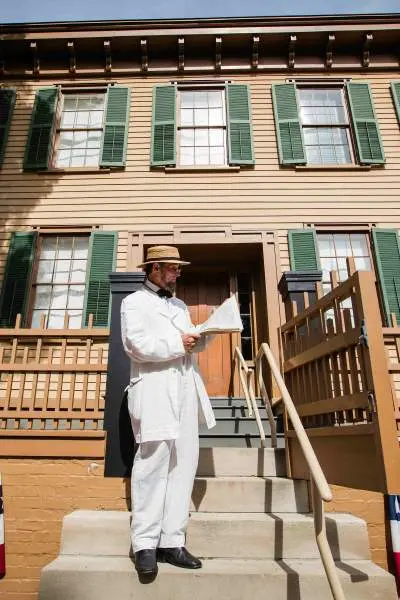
173 268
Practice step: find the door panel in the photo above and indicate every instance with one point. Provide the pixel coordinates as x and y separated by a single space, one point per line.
202 291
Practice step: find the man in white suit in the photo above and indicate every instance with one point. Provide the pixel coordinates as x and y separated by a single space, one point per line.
166 400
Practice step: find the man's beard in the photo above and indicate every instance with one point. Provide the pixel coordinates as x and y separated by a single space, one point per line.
171 287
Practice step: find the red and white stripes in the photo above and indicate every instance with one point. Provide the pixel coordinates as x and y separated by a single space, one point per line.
394 516
2 547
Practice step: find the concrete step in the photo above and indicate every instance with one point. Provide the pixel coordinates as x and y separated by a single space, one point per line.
218 535
227 412
102 578
243 425
209 439
234 462
249 494
229 401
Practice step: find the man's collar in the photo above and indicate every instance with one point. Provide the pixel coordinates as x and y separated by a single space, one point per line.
152 286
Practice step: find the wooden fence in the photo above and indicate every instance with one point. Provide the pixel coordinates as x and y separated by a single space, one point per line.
344 380
52 385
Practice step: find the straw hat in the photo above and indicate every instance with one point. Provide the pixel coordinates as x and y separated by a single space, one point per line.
166 254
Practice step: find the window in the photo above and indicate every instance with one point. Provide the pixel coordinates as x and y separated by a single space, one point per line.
78 128
201 126
326 124
58 276
7 102
334 248
59 286
80 131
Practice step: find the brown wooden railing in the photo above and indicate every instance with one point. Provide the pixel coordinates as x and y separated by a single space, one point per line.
341 380
52 382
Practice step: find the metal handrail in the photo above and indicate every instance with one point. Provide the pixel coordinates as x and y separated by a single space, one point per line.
319 485
245 376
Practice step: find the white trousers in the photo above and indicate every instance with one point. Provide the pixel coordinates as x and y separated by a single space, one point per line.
162 480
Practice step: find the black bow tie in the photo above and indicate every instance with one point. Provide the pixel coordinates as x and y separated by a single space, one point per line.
164 293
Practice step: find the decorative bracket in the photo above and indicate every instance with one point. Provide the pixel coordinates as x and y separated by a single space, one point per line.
218 55
366 49
292 53
35 58
329 51
181 54
107 52
255 52
145 55
72 57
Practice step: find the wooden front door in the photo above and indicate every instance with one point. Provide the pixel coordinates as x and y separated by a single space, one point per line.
202 291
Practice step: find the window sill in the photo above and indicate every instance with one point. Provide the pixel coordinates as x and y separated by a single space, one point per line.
74 170
337 167
224 169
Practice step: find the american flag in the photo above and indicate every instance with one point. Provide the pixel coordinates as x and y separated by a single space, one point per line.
2 550
394 516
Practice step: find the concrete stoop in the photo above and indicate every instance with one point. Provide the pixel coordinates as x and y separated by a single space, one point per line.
251 527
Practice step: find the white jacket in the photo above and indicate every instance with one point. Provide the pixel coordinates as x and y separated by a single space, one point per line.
151 329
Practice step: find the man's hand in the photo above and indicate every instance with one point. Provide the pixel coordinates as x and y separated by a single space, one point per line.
189 340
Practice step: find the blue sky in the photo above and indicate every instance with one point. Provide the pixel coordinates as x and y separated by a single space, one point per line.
23 11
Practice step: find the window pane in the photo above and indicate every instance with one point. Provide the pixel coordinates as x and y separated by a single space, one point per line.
63 158
187 117
359 245
187 137
42 296
342 245
201 137
201 116
70 102
61 271
84 103
75 319
187 99
78 271
82 118
77 159
68 119
92 158
65 247
97 101
56 319
48 247
36 318
217 156
201 156
94 139
96 118
313 155
60 295
45 271
216 137
66 139
187 156
80 138
81 246
215 99
325 245
201 99
216 116
76 296
363 263
310 136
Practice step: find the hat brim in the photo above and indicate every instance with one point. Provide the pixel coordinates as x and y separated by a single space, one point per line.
173 261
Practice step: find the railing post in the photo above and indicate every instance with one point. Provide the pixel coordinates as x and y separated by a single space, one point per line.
293 285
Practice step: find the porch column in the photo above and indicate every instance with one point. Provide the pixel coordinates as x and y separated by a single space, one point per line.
119 442
292 286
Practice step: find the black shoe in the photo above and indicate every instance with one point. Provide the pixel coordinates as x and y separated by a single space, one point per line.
179 557
146 563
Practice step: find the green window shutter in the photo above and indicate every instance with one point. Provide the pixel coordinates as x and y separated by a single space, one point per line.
40 137
7 101
15 291
115 136
102 253
387 254
239 125
395 87
163 131
303 250
289 132
365 124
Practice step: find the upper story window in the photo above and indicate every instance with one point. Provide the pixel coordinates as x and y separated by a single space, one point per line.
326 124
84 128
7 102
80 130
203 126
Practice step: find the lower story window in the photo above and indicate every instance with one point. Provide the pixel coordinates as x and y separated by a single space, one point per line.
59 280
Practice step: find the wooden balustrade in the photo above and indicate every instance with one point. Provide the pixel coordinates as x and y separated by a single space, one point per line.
52 382
391 336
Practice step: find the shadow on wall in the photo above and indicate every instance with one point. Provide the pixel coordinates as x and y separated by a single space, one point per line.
22 191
